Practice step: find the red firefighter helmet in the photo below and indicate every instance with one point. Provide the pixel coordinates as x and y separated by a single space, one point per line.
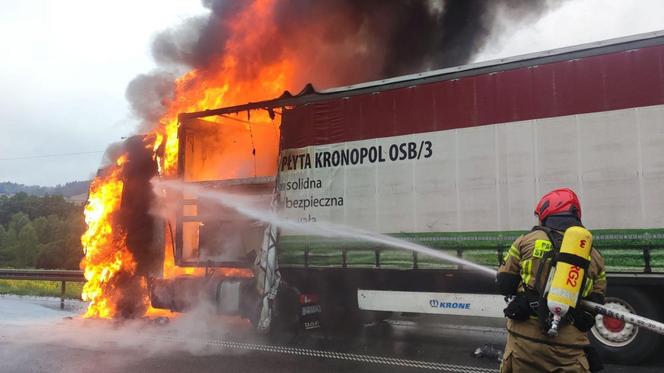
558 201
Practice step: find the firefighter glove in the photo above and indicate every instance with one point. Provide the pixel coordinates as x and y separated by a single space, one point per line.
518 309
596 298
507 283
582 319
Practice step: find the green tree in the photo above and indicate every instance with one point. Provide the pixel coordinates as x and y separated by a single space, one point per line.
72 241
51 256
8 250
35 206
18 221
59 241
26 248
42 229
5 257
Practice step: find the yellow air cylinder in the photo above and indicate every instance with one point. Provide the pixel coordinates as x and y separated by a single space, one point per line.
567 280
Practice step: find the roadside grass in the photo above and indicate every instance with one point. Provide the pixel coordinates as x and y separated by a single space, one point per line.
40 288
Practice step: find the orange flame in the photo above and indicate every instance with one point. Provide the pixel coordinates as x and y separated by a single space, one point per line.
224 84
106 252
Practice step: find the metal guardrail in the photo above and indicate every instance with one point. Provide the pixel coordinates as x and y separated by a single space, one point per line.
42 274
45 275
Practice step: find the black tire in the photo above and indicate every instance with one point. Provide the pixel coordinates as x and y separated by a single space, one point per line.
643 343
339 313
285 315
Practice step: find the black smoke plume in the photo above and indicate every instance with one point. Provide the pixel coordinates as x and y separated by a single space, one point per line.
140 229
344 41
148 94
138 224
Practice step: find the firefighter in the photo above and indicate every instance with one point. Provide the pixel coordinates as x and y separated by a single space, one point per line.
522 278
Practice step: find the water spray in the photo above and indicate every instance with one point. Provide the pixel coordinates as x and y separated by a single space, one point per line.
244 206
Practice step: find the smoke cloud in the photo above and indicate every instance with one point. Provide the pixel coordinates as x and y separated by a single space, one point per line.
341 42
118 344
147 94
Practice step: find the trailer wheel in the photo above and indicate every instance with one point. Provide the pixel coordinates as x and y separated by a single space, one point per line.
621 342
339 315
285 313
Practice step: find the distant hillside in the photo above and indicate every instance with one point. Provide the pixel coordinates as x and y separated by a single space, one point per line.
70 189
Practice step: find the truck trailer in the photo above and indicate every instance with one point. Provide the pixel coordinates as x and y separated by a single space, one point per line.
452 159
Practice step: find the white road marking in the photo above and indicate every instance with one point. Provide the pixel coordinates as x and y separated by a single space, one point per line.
336 355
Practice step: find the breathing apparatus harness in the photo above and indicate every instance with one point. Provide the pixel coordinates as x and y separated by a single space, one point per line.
542 305
534 301
570 253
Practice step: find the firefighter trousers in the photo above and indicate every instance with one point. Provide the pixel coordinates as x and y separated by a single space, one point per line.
526 356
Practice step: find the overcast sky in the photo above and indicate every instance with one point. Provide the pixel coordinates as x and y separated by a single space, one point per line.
65 65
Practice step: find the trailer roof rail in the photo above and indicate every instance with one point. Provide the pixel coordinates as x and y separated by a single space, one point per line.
310 95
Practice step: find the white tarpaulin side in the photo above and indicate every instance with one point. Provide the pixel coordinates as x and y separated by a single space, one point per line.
485 178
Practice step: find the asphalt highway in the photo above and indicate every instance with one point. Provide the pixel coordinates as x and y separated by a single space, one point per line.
35 336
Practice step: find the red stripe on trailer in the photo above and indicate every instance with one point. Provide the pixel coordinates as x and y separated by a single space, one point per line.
631 78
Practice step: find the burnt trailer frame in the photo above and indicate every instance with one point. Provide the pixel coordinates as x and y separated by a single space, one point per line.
338 286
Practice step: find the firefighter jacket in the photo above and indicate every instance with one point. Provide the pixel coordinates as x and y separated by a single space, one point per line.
524 258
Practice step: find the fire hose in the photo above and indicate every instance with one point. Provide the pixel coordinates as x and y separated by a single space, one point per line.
631 318
564 286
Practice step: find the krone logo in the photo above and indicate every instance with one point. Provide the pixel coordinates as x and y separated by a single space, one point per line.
434 303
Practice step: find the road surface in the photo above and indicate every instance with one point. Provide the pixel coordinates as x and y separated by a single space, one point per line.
35 336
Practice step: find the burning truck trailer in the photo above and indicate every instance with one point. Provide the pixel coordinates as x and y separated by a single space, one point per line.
216 245
453 159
